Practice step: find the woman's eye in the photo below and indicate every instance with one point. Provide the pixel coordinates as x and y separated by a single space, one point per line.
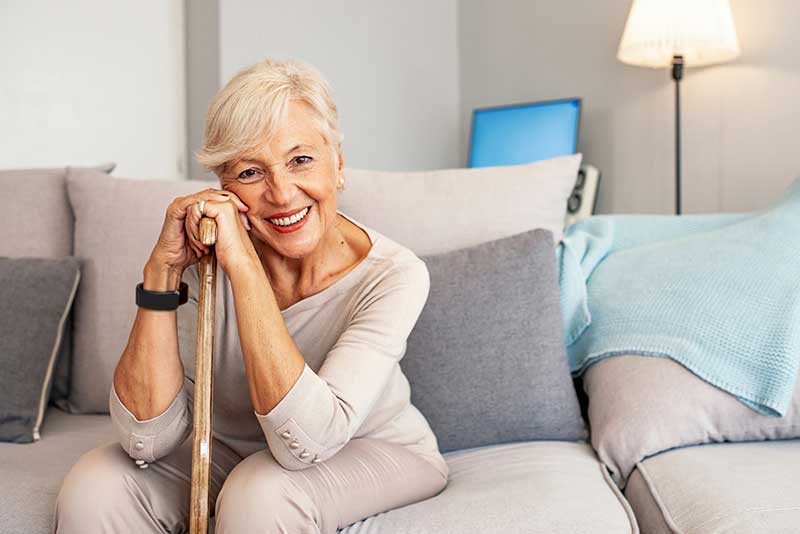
248 175
302 160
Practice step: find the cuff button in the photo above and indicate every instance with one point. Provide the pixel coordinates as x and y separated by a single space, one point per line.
294 444
304 454
316 459
139 462
285 434
139 446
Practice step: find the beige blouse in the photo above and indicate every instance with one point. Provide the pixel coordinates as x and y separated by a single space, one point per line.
352 335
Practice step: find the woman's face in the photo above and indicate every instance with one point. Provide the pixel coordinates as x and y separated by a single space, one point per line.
294 171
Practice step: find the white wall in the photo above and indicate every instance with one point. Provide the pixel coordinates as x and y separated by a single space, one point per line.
738 120
393 67
92 81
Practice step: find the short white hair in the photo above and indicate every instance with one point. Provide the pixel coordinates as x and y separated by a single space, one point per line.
254 104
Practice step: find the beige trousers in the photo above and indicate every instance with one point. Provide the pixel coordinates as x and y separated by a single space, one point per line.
106 492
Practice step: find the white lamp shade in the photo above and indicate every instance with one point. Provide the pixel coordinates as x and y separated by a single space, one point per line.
701 31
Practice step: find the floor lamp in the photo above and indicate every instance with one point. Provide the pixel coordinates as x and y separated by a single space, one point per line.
664 33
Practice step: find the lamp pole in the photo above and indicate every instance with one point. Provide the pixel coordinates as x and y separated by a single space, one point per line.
677 75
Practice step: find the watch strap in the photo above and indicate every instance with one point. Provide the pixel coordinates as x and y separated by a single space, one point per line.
161 300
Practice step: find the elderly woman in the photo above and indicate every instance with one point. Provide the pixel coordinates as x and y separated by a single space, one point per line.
313 425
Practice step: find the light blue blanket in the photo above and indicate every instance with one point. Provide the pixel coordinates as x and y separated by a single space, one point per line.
718 293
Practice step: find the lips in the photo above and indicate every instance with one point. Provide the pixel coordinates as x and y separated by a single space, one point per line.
293 226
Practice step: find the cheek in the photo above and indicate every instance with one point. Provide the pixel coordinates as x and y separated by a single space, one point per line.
321 188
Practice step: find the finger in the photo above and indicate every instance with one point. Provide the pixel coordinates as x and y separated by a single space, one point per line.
228 195
192 226
245 221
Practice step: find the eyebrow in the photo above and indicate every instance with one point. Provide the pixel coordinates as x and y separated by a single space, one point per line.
296 147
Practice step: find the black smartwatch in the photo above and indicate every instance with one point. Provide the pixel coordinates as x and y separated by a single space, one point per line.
161 300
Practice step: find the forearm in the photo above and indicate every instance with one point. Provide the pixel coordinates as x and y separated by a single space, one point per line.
273 362
149 374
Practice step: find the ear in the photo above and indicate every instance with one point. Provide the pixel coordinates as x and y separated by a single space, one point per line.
338 176
338 151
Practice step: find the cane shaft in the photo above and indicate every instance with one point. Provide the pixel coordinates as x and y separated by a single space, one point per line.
203 382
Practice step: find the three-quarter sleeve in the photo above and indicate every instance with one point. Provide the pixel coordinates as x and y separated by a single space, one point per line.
158 436
321 412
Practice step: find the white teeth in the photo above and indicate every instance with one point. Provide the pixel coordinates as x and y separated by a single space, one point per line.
286 221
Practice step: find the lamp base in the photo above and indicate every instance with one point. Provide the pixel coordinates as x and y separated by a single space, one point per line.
677 75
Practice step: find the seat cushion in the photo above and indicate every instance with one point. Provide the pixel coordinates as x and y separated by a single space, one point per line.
723 487
32 473
626 391
532 487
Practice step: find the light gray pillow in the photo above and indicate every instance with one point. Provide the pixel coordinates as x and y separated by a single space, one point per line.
36 296
117 224
448 202
642 405
486 359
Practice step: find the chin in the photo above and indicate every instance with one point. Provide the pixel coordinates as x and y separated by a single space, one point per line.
292 250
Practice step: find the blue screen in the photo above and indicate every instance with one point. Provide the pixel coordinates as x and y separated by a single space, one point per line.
521 134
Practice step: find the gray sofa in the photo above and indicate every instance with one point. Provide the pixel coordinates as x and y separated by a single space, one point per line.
519 487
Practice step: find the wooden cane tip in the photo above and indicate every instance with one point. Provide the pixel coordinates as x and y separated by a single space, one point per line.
208 231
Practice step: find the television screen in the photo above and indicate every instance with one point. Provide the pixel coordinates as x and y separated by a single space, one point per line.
522 133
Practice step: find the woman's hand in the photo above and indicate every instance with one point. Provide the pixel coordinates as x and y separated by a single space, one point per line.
179 246
233 245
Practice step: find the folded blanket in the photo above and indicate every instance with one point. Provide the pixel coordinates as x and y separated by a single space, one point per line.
719 294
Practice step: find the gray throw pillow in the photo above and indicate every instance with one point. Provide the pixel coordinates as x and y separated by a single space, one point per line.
36 296
486 359
643 405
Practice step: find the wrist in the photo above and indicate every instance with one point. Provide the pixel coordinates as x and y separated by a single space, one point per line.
160 277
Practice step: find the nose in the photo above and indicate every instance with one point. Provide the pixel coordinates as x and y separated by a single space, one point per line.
279 190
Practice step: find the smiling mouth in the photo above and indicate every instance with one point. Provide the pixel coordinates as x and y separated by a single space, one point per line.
286 222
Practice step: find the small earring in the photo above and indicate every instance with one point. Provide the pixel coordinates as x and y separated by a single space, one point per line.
340 187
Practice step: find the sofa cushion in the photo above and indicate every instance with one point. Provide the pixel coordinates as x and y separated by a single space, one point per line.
45 231
36 296
534 487
117 224
486 359
42 233
32 473
640 406
437 211
735 488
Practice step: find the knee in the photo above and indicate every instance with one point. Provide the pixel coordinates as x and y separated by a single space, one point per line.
260 496
92 486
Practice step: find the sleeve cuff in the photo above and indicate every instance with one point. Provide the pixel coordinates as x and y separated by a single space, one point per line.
156 437
291 446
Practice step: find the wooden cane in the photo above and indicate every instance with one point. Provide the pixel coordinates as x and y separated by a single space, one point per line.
203 381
